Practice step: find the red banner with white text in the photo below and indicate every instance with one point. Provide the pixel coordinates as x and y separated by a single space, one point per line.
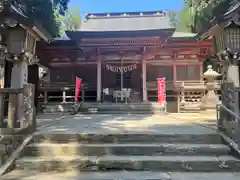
78 86
161 90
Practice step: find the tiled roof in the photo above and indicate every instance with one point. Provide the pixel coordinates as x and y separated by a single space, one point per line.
132 21
64 37
182 35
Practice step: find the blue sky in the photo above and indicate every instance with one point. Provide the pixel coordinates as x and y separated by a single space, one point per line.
125 5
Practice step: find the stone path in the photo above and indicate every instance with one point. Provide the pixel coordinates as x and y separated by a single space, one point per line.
128 123
124 175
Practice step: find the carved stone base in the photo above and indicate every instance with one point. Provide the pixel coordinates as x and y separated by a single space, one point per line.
209 101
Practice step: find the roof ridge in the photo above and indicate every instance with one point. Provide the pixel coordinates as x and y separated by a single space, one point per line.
126 14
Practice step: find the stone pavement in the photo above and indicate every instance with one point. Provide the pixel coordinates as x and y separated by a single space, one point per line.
124 175
126 123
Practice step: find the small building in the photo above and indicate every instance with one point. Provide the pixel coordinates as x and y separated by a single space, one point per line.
116 51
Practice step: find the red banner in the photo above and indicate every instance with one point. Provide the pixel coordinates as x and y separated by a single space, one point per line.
78 86
161 90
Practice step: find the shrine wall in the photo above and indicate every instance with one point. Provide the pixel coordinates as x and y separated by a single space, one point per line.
64 75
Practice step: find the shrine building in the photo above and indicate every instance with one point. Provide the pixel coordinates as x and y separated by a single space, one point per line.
115 51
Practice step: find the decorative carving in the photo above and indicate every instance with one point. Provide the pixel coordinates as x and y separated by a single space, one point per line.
29 57
174 55
230 57
28 105
229 96
203 52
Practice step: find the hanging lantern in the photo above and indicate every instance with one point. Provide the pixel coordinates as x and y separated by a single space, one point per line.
228 37
232 36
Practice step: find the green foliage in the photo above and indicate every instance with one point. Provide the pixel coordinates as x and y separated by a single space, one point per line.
196 14
46 12
70 21
207 10
185 18
173 18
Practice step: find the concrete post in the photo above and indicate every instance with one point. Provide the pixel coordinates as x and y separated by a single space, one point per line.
99 79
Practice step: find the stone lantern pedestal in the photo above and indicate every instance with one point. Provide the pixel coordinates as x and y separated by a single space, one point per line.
210 100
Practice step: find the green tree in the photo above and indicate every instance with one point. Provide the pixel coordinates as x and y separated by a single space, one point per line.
207 10
70 21
186 17
197 14
45 12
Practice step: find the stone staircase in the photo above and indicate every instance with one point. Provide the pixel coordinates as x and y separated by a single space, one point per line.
140 156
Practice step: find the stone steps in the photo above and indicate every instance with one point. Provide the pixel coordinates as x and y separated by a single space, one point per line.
121 175
129 153
129 138
131 163
110 108
137 149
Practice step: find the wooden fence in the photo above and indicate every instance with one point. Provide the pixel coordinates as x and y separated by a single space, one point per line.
228 118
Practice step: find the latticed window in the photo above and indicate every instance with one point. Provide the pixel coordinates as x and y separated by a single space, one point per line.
233 37
154 72
220 41
188 72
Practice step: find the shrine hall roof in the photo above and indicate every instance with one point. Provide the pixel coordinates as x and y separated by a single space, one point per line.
118 34
129 21
127 25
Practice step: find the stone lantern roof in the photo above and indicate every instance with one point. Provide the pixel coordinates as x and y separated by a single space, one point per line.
13 13
210 72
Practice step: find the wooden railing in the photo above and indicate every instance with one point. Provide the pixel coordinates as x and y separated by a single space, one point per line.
152 85
228 118
228 123
64 93
188 94
190 85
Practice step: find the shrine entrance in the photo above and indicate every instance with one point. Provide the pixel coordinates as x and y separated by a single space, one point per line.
121 78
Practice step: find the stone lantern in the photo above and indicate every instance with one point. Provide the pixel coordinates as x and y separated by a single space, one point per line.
210 100
18 37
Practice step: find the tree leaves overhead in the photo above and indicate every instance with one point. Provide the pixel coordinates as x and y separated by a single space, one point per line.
71 20
185 18
196 14
62 4
208 9
45 12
